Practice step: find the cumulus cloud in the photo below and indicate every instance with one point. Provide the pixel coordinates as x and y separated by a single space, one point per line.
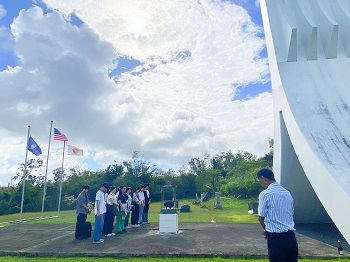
176 103
6 39
3 12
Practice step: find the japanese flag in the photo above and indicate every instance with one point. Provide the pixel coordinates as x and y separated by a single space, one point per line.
72 150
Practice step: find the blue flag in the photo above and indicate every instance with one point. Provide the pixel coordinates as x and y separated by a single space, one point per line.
33 147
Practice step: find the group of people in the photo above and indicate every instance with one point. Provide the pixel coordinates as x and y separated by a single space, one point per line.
275 212
112 203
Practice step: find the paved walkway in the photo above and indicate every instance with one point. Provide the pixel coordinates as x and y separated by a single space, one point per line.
194 239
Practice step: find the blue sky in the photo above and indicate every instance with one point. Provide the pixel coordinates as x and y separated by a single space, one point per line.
172 81
126 64
8 57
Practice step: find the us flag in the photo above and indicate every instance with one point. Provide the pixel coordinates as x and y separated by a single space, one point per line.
57 135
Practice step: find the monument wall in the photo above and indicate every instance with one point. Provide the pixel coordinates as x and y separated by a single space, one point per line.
308 43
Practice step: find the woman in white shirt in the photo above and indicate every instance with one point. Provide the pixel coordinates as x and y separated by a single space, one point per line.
135 208
111 205
141 196
129 201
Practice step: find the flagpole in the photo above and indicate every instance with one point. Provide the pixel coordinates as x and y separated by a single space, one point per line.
24 175
61 178
47 165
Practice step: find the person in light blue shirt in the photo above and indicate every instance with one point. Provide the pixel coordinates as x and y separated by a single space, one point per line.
276 210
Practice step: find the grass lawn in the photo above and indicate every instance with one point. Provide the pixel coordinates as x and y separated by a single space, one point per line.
234 210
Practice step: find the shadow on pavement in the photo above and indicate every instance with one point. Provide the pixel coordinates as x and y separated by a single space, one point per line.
327 233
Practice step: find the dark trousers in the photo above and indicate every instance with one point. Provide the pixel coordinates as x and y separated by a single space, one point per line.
282 247
135 215
145 213
109 220
80 226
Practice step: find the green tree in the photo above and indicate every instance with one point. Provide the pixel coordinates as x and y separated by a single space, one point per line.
7 203
241 179
187 186
269 156
27 171
209 181
33 186
112 172
138 171
197 166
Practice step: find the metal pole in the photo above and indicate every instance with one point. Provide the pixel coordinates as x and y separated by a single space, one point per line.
24 175
47 165
61 178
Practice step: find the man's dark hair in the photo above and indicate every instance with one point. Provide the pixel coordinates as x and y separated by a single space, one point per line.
267 173
106 185
85 187
147 184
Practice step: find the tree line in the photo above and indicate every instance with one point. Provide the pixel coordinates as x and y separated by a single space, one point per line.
231 174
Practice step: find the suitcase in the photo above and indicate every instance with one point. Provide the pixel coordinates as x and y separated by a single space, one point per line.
87 230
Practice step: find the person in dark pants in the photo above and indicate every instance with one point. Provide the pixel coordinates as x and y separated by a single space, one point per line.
111 205
135 208
276 210
147 202
82 210
129 205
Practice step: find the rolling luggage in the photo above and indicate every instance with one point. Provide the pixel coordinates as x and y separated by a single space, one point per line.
87 230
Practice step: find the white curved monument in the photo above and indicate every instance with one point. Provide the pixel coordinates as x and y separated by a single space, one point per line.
308 44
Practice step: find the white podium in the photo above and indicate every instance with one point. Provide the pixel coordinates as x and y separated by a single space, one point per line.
168 223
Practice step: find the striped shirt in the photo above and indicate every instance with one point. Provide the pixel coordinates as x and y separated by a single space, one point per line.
276 206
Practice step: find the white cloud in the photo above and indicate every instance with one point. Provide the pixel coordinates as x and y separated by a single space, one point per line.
3 12
6 40
176 104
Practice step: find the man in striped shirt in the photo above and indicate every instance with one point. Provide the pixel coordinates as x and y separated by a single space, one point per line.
276 217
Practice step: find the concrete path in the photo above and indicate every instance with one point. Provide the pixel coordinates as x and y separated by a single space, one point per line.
194 239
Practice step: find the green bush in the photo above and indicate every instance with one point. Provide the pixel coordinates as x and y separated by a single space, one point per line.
242 189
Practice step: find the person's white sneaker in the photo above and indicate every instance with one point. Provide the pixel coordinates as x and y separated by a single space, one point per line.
109 235
112 234
99 241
